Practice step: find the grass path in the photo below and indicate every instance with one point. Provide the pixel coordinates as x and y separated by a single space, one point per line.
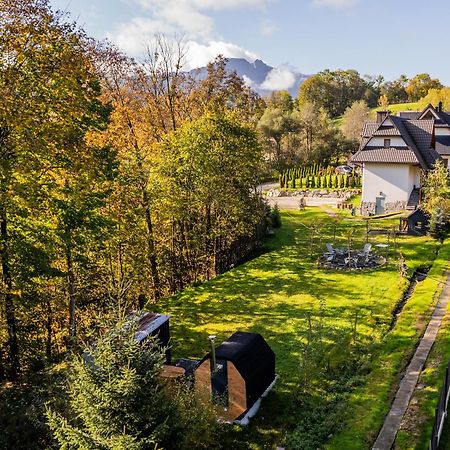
274 293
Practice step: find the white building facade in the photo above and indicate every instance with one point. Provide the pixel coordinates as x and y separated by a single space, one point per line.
395 153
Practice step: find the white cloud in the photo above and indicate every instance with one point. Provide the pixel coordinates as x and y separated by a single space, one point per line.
336 3
267 28
198 55
205 4
278 79
190 18
248 81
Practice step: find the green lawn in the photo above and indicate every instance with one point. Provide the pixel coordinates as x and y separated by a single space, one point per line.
273 295
395 108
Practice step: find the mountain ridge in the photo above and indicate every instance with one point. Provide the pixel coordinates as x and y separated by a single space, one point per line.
261 77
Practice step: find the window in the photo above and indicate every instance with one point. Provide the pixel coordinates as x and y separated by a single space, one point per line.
387 143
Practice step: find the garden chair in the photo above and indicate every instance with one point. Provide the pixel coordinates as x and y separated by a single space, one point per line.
366 250
330 249
364 255
330 254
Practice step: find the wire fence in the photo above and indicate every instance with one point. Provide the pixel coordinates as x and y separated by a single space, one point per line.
441 411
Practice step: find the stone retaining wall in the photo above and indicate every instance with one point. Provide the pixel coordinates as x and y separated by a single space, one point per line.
368 208
343 194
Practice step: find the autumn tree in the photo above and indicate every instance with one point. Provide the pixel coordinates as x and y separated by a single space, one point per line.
435 96
354 118
49 70
419 86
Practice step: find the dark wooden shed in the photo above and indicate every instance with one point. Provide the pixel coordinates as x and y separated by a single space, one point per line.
245 371
415 224
154 324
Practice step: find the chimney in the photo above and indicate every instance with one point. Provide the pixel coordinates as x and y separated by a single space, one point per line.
381 115
439 108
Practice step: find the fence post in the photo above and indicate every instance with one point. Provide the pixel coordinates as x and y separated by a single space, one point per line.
446 391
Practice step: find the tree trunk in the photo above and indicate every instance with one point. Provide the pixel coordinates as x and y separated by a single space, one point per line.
208 249
9 299
48 326
72 298
151 248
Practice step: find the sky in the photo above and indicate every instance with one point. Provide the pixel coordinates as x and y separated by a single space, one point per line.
387 37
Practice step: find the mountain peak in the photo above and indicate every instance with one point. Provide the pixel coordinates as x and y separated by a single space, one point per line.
261 77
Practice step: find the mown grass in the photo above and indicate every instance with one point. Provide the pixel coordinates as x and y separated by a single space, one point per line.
273 294
397 107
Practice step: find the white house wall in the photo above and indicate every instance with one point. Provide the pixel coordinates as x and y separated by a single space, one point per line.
393 182
415 176
438 131
396 141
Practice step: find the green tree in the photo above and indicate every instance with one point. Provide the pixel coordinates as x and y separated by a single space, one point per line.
334 91
438 225
206 182
394 91
436 190
120 401
274 125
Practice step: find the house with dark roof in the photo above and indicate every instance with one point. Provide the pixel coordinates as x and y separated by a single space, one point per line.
395 153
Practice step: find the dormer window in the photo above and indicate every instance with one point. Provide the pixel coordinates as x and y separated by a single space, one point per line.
387 143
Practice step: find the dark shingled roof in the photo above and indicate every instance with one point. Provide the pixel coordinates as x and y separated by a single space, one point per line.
441 117
409 114
443 145
369 129
386 155
387 131
417 135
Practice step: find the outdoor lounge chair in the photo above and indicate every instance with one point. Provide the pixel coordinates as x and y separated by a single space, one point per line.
366 250
363 257
329 256
330 249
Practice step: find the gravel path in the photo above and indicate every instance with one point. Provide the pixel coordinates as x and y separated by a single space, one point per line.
292 202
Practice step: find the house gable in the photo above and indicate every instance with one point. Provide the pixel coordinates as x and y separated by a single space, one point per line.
429 113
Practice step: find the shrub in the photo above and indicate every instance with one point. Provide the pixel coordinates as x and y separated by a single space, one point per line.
275 217
121 403
437 227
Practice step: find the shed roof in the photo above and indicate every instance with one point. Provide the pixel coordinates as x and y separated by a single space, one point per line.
148 323
244 349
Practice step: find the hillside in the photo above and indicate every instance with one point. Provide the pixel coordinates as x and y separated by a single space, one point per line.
394 109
